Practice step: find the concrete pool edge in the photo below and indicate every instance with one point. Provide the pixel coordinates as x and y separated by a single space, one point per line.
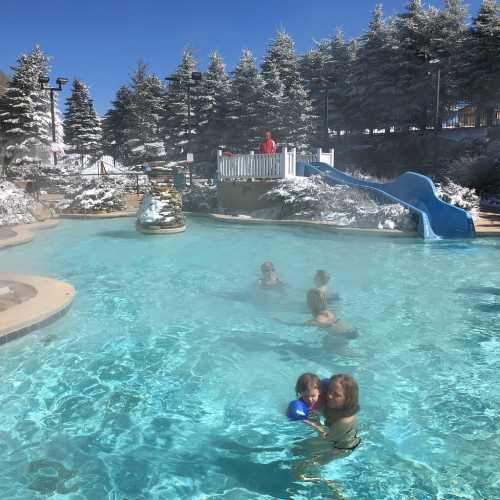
52 299
24 232
306 223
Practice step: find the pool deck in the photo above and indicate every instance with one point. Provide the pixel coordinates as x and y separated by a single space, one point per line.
487 224
28 302
11 236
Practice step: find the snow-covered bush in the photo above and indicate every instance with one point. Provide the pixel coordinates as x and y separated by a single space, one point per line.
311 198
16 206
460 196
479 172
200 199
96 195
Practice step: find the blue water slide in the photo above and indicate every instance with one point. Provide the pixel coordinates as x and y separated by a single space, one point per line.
436 219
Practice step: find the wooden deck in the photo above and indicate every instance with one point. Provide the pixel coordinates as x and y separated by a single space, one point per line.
488 224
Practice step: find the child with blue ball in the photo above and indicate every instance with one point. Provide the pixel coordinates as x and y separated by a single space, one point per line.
310 400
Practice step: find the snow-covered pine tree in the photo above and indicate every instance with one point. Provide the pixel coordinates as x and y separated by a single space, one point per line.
175 120
415 31
448 42
312 67
374 76
117 125
484 69
25 119
339 78
273 101
82 128
143 138
280 71
212 110
246 121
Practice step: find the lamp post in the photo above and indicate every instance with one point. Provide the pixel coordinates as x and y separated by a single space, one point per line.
438 89
195 76
43 81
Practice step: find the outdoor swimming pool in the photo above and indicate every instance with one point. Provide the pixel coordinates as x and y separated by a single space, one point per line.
169 376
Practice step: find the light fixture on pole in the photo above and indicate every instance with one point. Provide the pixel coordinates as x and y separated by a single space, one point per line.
196 76
43 81
438 89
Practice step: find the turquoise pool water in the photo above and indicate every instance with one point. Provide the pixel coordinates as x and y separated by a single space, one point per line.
169 376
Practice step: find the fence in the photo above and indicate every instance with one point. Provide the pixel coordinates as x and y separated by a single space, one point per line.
274 166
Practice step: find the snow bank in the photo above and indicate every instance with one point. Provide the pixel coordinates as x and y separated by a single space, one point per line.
311 198
16 206
460 196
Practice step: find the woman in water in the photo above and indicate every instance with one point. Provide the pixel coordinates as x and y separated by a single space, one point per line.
338 437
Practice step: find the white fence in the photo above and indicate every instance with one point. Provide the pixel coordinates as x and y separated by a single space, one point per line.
275 166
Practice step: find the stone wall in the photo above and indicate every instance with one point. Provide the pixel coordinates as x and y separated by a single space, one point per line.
243 195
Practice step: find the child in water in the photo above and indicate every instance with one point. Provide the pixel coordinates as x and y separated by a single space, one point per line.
318 305
321 282
269 277
308 390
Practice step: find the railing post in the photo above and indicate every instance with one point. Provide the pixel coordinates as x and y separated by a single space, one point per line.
318 154
293 166
332 157
219 162
283 162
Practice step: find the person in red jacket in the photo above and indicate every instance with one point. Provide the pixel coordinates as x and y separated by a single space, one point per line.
267 146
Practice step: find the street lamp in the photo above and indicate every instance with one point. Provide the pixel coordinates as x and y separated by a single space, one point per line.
196 76
437 61
43 81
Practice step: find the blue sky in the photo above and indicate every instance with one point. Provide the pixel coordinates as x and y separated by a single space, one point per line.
100 41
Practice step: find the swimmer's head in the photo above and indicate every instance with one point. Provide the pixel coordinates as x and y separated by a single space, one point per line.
321 278
316 301
308 388
342 396
267 267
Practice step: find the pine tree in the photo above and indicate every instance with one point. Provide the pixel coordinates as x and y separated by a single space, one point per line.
339 82
25 118
449 41
245 118
177 129
117 125
416 31
312 67
211 110
143 139
82 128
484 69
273 101
374 76
287 105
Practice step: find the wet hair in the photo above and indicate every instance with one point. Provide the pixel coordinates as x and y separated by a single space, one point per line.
306 382
351 395
267 266
316 301
322 276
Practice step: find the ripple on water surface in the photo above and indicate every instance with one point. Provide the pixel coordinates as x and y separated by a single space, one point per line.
169 375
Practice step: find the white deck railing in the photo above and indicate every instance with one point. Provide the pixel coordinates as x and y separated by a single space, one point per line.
274 166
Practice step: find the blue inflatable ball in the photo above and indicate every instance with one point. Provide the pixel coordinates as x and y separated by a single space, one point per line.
297 410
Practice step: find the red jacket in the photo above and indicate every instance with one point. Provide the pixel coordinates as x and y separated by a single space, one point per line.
267 147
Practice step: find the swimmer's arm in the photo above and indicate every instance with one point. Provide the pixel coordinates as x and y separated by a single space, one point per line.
323 430
296 323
